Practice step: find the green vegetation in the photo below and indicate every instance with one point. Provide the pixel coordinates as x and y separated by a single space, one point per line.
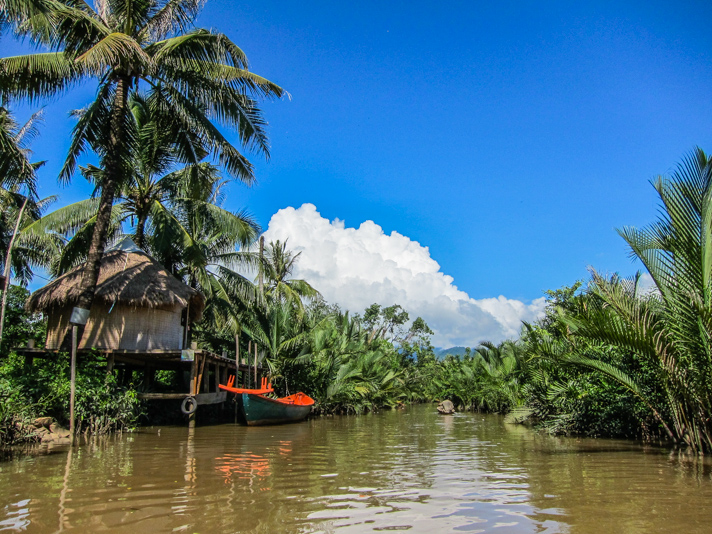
42 389
655 345
606 359
614 359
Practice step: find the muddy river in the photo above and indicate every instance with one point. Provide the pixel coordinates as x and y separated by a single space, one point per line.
411 470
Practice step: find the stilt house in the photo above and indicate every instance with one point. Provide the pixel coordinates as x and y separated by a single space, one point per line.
138 305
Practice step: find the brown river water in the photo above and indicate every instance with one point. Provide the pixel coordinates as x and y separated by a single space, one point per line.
410 470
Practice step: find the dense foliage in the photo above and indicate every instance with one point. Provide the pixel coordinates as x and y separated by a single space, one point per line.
661 338
41 388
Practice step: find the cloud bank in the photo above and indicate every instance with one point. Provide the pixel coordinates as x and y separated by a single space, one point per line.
356 267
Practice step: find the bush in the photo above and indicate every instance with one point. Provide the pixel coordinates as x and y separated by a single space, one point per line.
101 405
20 325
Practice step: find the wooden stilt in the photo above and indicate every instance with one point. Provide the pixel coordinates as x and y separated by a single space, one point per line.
237 358
249 355
200 384
194 375
148 371
193 387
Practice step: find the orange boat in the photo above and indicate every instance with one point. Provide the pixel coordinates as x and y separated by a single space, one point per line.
260 410
265 387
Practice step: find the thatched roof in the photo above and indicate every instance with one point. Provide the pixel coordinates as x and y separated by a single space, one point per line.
128 278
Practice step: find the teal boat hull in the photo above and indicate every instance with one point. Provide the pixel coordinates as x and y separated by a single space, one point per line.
259 410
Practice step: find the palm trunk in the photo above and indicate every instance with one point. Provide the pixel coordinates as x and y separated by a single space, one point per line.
8 261
108 190
140 238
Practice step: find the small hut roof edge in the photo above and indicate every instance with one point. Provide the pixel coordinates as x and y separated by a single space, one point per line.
127 278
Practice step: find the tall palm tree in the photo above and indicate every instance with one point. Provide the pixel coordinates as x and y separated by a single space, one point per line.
17 209
159 177
198 242
196 75
166 164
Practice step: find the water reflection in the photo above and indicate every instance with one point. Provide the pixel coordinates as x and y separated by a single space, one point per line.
407 470
62 512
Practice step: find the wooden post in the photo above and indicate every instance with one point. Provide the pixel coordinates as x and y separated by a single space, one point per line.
73 382
147 378
29 359
194 374
249 355
110 364
193 387
262 293
237 358
185 329
200 383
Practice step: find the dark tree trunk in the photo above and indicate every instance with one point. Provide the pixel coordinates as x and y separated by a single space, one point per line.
112 176
140 231
8 265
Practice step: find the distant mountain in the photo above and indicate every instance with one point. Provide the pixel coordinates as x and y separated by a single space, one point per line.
454 351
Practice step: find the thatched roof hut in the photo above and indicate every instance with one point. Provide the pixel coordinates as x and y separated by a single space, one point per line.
138 305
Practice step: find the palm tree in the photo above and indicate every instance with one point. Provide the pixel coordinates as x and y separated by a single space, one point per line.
367 380
334 339
277 269
669 329
157 181
18 209
194 74
15 167
197 241
278 331
167 166
71 228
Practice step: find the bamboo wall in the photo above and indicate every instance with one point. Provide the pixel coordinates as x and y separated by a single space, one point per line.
123 327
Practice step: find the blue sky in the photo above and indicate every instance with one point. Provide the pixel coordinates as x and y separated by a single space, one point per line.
509 138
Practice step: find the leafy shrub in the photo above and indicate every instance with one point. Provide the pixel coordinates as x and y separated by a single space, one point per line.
101 405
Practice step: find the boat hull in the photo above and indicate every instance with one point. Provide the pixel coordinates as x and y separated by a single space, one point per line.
259 410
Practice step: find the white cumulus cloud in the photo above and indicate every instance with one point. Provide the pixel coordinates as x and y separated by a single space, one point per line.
356 267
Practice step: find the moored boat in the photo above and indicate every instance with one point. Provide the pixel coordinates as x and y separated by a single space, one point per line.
261 410
256 409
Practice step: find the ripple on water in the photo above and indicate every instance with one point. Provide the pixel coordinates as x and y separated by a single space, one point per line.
413 471
16 516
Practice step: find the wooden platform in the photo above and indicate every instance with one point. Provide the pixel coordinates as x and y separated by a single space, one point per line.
207 369
202 398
